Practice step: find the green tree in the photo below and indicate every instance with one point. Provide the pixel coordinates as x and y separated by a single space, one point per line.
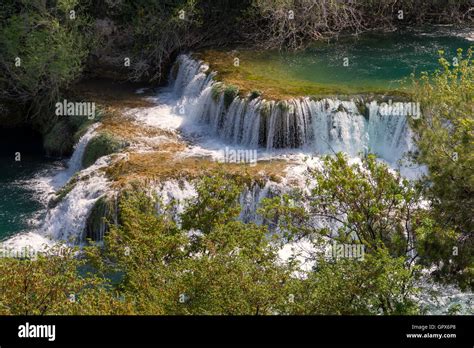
41 53
378 284
364 203
211 264
151 264
445 140
52 284
216 203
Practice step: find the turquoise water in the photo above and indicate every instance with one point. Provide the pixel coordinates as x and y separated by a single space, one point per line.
19 201
376 60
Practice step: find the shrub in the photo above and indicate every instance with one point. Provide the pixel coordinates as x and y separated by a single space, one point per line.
255 94
217 90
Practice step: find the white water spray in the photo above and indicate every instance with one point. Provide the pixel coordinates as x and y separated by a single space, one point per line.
316 126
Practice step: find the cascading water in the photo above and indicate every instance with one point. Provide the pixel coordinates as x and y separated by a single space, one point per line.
65 221
75 162
178 192
251 198
194 100
318 126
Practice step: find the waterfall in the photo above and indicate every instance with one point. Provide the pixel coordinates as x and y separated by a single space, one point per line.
173 194
74 164
200 102
178 192
191 78
251 198
317 126
67 220
81 188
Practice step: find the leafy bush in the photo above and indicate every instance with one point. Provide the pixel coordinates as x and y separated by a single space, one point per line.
51 49
445 143
211 263
216 91
379 284
44 286
362 202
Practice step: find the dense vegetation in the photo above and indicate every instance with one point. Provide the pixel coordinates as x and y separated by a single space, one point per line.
210 263
47 45
445 142
290 23
207 261
42 51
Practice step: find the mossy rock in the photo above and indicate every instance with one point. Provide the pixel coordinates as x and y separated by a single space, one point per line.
82 125
101 215
65 133
101 145
363 108
341 108
230 93
283 106
216 91
63 191
265 109
59 140
255 94
75 122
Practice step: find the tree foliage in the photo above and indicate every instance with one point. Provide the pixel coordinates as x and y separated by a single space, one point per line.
54 283
213 264
362 202
445 141
294 23
42 52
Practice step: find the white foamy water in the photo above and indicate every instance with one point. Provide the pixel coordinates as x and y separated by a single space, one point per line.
65 222
282 130
299 125
290 130
75 162
160 116
441 299
299 131
46 184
